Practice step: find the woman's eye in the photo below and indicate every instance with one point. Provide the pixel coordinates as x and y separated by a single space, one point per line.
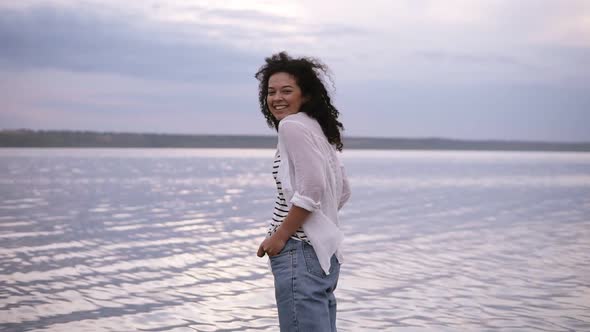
271 93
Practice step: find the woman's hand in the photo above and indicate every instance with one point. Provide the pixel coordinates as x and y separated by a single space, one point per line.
272 245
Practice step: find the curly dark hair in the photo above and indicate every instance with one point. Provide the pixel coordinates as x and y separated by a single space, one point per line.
308 73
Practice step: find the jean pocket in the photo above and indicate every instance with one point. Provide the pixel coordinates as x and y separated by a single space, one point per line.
280 254
312 263
286 250
281 264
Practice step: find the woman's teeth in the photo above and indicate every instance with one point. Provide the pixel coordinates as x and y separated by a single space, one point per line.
280 107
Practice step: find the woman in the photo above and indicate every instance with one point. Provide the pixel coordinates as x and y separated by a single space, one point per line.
303 240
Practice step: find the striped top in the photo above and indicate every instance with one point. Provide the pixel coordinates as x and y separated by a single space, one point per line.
281 207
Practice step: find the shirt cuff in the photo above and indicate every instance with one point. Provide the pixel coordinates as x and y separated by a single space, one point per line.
304 202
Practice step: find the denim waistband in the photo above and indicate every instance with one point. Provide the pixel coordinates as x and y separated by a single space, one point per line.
292 244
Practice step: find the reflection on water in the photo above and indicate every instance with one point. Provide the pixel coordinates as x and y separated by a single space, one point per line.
165 240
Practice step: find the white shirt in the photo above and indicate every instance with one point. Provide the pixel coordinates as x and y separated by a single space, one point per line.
313 178
281 207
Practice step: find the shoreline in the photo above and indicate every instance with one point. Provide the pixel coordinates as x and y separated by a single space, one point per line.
25 138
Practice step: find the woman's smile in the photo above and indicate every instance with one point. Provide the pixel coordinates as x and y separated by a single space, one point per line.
284 95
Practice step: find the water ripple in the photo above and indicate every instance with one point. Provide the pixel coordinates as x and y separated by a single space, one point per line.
165 240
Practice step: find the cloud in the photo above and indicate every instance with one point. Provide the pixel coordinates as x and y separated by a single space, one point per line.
55 99
466 58
80 40
242 15
464 69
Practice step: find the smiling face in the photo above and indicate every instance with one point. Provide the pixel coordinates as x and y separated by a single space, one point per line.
284 95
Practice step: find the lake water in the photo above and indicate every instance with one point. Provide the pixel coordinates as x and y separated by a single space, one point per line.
166 240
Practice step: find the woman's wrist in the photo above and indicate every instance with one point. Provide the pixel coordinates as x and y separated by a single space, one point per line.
282 234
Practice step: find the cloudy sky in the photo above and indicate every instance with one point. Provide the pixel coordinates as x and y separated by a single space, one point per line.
414 68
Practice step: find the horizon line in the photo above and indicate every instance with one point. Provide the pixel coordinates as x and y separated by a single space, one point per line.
506 140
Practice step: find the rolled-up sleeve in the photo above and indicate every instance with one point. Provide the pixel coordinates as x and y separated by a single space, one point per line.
307 165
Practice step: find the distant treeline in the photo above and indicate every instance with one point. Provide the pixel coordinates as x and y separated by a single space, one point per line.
87 139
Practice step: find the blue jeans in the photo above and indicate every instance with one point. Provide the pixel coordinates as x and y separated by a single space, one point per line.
304 293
